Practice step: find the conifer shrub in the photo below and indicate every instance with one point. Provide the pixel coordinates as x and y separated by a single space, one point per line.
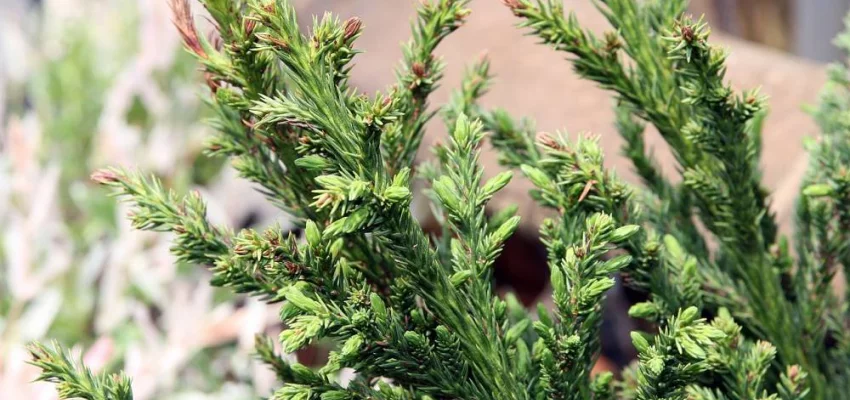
741 312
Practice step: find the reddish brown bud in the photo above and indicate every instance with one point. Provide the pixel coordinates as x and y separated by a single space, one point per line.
688 34
515 5
291 267
248 26
185 24
418 69
793 372
351 27
544 139
105 176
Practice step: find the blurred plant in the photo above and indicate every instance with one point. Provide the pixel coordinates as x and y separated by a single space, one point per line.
108 85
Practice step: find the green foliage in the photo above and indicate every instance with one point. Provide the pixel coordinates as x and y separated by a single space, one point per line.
74 381
737 315
664 72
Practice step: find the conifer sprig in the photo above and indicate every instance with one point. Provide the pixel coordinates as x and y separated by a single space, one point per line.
75 381
663 71
418 76
416 317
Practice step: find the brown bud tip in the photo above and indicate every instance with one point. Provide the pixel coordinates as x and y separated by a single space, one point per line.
291 267
248 26
105 176
544 139
351 27
418 69
185 24
793 372
688 34
461 15
515 5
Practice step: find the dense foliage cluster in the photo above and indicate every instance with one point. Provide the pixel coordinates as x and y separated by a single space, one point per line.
739 315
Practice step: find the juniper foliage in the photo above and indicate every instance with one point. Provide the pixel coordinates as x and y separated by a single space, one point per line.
738 316
75 381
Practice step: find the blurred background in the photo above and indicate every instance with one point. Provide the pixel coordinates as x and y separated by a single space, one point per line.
90 83
801 27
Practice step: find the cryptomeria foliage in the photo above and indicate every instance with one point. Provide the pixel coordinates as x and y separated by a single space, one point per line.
416 317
